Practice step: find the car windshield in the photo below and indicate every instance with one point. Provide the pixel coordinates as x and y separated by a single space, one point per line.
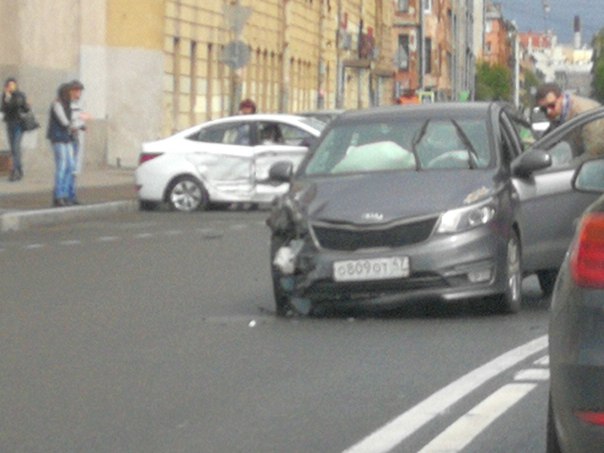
419 144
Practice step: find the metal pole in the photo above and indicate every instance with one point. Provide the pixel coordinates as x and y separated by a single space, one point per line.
286 64
516 71
339 67
422 57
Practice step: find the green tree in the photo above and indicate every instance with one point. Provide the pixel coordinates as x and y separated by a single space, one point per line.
598 80
531 82
493 82
598 66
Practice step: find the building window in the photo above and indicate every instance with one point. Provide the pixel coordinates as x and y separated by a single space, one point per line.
402 6
194 88
427 6
428 54
402 54
176 71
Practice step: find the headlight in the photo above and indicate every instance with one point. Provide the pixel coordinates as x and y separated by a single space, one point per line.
466 218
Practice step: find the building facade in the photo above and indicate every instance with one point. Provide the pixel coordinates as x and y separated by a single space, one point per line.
436 48
498 48
151 67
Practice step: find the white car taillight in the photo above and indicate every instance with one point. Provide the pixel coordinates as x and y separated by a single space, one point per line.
146 157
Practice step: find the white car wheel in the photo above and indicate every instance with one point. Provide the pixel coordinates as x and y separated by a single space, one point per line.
186 194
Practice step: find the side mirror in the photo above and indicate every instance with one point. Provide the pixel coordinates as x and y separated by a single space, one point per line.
590 176
281 171
531 161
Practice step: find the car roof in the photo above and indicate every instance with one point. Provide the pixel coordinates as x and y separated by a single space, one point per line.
261 117
419 111
284 117
325 112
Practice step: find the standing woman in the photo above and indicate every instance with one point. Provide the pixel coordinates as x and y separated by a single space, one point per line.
13 103
60 134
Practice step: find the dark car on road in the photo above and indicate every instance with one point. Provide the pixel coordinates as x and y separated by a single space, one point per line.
576 332
440 201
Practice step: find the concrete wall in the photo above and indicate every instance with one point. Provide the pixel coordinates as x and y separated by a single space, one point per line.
132 65
113 46
39 45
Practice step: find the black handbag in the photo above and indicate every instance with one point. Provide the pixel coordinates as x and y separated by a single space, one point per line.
28 121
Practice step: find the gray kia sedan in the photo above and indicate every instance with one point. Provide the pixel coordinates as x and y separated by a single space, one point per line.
429 202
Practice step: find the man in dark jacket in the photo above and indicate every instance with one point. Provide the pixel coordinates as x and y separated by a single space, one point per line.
13 104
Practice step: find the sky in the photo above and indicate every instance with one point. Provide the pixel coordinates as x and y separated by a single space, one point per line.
529 16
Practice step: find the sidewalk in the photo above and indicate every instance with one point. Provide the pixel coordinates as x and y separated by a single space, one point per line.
28 202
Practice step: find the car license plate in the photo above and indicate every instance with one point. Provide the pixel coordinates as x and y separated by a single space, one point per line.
371 269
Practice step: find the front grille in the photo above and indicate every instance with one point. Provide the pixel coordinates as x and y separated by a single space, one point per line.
349 238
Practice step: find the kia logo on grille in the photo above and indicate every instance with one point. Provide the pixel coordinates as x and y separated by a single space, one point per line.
373 216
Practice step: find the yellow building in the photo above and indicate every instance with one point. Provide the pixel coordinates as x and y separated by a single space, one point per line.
287 55
151 67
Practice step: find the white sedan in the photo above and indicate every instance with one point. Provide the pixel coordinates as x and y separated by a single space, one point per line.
222 161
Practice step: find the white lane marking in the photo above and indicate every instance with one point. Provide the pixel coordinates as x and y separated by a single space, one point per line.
71 242
397 430
34 246
173 232
108 239
210 233
543 361
459 435
237 227
143 236
532 374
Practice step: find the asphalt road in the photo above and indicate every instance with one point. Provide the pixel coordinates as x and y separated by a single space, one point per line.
154 332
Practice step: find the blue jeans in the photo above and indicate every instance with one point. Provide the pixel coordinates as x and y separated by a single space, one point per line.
15 134
71 191
64 166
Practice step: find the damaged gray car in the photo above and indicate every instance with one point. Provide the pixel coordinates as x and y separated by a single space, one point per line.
396 205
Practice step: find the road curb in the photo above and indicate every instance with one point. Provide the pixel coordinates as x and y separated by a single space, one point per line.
20 220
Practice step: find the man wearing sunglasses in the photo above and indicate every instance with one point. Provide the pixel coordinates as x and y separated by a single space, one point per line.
559 106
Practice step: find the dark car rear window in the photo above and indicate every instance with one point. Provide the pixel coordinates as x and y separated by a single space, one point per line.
418 144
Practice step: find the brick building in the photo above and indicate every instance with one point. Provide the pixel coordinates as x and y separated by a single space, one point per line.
436 50
498 46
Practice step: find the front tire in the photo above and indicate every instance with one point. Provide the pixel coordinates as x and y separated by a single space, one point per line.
187 194
283 306
547 281
511 300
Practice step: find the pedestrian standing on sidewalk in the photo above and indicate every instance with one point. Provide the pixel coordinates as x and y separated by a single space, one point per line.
14 103
78 125
60 133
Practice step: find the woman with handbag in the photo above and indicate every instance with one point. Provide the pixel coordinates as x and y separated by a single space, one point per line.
14 103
